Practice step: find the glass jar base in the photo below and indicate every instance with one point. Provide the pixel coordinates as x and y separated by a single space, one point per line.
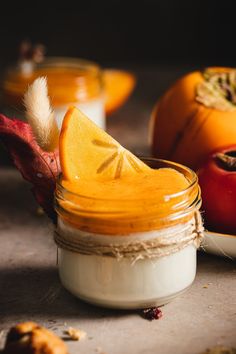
128 305
108 282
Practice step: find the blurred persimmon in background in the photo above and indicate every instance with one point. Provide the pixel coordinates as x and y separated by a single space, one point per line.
195 116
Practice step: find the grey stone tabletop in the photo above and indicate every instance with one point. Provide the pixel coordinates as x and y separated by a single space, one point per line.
203 317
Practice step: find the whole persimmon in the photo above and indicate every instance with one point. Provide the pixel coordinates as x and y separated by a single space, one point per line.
217 179
195 116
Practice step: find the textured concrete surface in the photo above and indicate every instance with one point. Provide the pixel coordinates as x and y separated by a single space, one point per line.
30 290
204 316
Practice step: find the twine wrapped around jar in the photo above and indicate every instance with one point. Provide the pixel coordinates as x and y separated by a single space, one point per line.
153 244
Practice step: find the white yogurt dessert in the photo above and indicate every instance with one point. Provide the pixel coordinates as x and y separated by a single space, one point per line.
93 108
127 283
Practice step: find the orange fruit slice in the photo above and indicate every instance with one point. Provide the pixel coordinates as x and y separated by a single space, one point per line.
118 85
88 152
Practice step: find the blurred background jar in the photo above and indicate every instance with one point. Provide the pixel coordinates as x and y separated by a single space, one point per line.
71 81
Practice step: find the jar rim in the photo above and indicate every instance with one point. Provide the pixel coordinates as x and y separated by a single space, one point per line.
171 164
60 62
124 216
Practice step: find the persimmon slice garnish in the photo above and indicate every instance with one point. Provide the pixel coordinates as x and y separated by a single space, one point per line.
118 85
88 152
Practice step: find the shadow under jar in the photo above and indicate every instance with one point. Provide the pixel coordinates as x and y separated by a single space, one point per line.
129 254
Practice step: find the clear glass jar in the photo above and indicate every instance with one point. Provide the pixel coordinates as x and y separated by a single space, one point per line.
141 257
70 81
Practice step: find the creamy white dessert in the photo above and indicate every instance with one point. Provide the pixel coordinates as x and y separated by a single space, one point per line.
126 283
93 108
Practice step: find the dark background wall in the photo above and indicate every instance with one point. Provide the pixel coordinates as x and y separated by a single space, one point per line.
160 39
171 32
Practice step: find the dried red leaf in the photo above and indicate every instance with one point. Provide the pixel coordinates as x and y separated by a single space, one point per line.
38 167
153 313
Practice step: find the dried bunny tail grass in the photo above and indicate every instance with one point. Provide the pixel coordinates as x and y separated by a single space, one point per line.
40 115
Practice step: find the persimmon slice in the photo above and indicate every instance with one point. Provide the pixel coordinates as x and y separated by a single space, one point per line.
88 152
118 86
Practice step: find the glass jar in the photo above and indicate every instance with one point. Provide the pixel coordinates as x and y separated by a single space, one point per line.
139 256
70 82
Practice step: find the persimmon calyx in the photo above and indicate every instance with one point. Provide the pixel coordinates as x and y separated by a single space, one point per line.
227 160
218 90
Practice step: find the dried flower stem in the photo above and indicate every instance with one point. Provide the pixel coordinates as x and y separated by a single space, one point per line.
40 115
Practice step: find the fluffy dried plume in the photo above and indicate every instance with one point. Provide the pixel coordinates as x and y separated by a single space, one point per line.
40 115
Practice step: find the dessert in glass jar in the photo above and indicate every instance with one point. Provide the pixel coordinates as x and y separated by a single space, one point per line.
70 81
128 229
